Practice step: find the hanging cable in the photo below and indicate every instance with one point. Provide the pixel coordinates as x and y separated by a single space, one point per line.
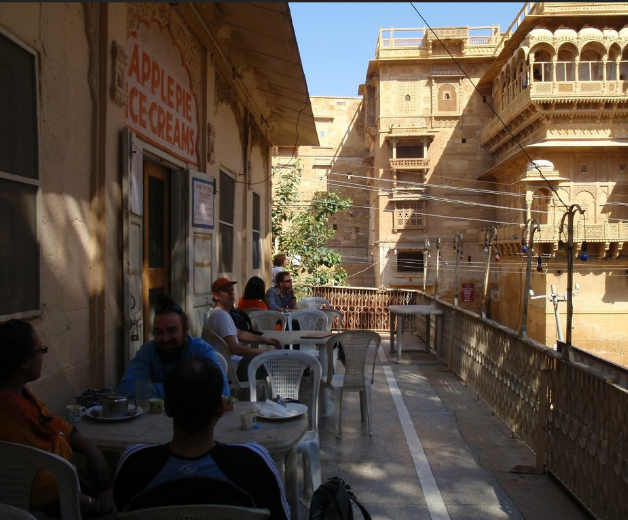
491 107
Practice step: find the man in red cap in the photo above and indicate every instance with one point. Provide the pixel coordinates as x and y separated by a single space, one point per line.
221 323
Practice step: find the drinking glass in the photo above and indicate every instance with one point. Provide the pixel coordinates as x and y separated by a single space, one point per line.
142 393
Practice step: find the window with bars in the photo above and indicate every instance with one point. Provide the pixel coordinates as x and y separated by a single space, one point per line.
257 245
225 230
410 261
19 180
409 214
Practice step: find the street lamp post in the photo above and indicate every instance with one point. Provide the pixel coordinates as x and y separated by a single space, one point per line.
437 268
458 251
570 216
527 248
426 255
489 234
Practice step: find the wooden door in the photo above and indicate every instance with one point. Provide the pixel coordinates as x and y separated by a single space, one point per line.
156 257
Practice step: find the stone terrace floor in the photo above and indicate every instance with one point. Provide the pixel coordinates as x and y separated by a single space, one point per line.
437 451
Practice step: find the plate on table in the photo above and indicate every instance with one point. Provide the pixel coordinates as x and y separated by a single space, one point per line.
95 412
292 410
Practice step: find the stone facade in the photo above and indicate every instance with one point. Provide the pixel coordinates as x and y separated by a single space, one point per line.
147 130
339 164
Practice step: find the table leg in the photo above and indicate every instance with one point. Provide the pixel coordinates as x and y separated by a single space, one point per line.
291 479
399 332
325 406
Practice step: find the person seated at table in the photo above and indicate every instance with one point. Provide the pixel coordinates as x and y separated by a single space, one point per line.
221 323
279 265
26 420
194 468
281 297
253 297
172 343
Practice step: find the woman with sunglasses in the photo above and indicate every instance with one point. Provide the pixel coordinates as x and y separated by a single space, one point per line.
25 420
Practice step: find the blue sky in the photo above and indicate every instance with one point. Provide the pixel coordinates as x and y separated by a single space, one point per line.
337 39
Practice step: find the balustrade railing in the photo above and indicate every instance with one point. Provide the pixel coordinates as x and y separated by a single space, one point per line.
573 415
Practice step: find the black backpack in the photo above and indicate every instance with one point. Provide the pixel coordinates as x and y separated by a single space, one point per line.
332 501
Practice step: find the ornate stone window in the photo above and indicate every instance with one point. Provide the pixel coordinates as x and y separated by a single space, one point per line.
409 214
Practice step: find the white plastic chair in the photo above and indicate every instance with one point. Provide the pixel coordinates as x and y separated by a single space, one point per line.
332 316
196 512
220 346
285 370
8 512
267 320
308 319
313 302
222 362
355 344
18 466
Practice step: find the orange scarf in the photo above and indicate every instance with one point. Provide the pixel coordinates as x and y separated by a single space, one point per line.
25 420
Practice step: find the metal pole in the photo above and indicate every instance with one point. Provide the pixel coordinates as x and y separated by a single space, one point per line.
426 251
489 235
458 250
555 300
437 267
570 215
534 226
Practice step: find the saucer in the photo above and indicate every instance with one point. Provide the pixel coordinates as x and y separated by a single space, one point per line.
95 412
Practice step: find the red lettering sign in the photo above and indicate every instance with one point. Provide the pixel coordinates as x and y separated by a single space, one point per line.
468 292
161 107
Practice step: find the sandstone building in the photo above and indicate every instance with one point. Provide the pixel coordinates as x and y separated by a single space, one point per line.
472 133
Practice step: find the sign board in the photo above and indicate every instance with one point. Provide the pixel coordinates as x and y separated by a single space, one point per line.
467 291
203 203
161 106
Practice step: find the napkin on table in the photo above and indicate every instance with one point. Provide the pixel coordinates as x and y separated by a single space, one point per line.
270 409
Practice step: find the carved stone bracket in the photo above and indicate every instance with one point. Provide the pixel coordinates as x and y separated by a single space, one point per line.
118 84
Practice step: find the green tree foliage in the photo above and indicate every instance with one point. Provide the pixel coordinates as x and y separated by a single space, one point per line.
302 232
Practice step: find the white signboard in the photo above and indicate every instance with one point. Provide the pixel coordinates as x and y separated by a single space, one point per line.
161 106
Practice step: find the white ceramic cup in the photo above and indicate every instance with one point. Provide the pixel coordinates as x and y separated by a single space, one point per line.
248 420
74 412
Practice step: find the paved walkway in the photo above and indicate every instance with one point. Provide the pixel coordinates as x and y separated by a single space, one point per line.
437 451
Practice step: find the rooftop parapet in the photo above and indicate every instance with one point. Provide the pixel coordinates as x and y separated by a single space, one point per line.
425 43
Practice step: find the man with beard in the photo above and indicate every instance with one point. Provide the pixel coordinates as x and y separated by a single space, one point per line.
172 343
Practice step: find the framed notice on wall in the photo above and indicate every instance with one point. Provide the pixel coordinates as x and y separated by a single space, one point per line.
203 204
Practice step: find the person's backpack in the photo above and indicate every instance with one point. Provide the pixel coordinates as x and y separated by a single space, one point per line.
332 501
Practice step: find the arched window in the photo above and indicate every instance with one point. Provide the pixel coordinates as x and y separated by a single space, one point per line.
407 97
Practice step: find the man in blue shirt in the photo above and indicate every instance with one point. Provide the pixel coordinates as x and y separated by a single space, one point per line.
172 344
281 297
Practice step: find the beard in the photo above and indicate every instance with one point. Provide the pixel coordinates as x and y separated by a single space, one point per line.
169 352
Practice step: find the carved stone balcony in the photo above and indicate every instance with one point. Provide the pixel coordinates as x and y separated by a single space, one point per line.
560 93
417 165
610 236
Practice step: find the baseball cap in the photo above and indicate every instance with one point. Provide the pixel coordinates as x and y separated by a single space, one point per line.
221 283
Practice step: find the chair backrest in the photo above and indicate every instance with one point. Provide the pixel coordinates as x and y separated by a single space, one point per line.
313 302
285 370
267 320
220 346
196 512
332 315
8 512
18 465
222 362
355 344
308 319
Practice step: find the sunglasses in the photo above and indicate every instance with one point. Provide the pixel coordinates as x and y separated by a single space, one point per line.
42 350
286 281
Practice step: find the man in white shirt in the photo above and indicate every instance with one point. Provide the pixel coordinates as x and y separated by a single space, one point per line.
221 323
